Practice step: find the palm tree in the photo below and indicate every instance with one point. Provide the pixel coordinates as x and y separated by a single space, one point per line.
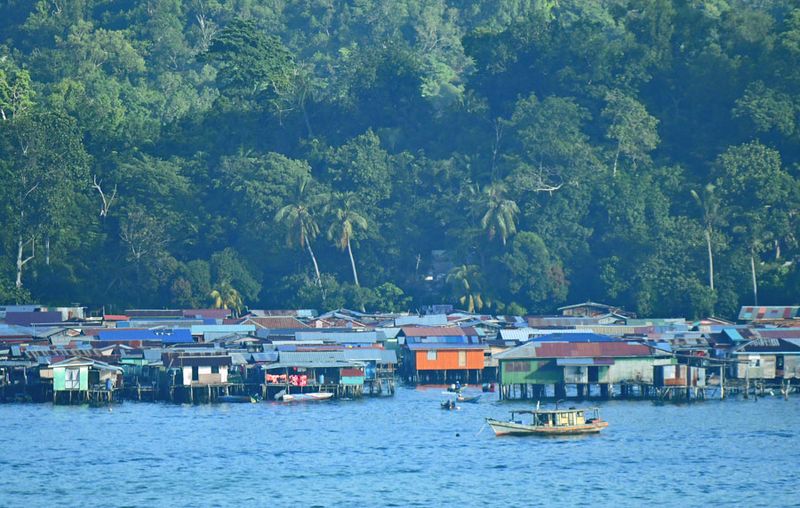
465 281
500 216
710 205
344 226
298 218
226 296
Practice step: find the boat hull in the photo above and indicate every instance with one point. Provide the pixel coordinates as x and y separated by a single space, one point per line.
502 428
299 397
472 399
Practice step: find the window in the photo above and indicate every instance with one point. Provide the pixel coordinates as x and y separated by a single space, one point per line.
462 358
517 366
215 369
72 379
195 373
432 356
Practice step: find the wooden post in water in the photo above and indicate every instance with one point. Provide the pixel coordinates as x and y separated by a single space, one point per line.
747 382
722 381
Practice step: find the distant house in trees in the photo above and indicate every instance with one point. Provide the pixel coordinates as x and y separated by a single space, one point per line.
592 309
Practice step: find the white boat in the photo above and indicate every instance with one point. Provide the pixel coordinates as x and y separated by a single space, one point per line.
298 397
549 422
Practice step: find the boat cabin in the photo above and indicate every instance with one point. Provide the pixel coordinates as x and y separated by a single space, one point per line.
558 417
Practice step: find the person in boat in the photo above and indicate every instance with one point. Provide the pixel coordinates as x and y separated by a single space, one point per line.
458 386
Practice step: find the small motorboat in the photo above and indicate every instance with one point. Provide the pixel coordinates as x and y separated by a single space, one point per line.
300 397
240 399
552 422
472 399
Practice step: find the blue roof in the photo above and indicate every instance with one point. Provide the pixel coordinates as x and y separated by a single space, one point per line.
176 336
575 337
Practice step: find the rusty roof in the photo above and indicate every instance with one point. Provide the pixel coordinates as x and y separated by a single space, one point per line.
614 349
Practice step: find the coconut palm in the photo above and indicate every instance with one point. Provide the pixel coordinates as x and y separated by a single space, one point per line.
500 217
226 296
298 218
465 281
344 225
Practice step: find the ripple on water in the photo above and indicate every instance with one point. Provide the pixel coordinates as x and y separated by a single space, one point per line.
400 451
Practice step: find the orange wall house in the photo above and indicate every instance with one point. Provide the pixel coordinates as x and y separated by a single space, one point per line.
449 359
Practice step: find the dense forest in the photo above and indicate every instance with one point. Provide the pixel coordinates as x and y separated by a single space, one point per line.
506 156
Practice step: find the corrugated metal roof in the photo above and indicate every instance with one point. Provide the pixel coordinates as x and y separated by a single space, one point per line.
537 349
426 331
779 333
267 356
366 337
279 322
207 313
204 329
370 354
576 337
292 357
167 336
238 358
312 365
540 321
428 320
768 313
29 318
441 346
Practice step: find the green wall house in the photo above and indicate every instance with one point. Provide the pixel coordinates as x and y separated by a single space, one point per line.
579 359
73 377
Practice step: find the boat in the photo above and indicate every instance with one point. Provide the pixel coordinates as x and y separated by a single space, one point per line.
549 422
473 399
244 399
298 397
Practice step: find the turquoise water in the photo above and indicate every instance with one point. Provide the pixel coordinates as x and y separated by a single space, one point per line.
400 451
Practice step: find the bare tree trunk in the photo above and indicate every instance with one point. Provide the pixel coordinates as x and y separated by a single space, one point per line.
353 263
755 283
710 260
19 263
314 260
306 120
22 262
616 159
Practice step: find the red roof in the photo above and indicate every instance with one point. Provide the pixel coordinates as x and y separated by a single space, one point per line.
433 331
590 349
115 317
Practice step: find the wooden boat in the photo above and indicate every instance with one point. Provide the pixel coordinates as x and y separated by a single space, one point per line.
299 397
242 399
550 422
473 399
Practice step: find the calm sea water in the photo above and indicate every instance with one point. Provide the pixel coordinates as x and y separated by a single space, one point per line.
400 451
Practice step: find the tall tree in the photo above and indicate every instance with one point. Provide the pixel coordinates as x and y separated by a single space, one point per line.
710 204
345 225
466 283
298 219
500 217
46 169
